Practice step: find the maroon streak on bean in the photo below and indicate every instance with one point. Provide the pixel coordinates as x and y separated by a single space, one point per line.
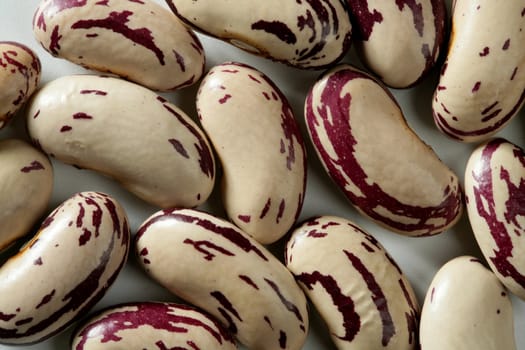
35 165
179 147
248 281
116 22
208 255
282 339
46 299
486 208
364 19
206 159
227 309
82 115
94 92
417 13
334 116
412 318
159 316
54 44
266 208
66 128
287 304
279 29
378 297
228 233
345 305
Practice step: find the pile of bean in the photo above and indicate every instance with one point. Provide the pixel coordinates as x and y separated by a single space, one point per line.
266 183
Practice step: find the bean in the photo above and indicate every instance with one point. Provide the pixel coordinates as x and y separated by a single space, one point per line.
126 132
255 134
214 265
367 148
139 40
64 270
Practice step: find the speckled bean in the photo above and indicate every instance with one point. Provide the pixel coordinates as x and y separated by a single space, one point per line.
305 34
361 293
26 183
466 307
64 270
494 188
139 40
482 83
211 263
366 146
20 72
127 132
147 325
400 41
255 134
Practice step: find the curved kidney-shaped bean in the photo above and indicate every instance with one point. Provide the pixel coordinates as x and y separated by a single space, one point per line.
400 41
20 73
26 183
212 264
494 188
127 132
360 292
482 83
255 134
139 40
64 270
382 166
466 307
147 325
304 34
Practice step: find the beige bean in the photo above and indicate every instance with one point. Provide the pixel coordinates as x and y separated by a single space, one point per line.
214 265
126 132
138 40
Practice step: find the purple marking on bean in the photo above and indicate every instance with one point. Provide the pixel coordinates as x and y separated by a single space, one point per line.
254 79
476 86
54 44
344 303
38 262
46 299
36 114
367 247
137 1
441 88
179 147
82 115
334 117
266 208
513 75
282 339
24 321
280 213
116 22
244 218
417 13
159 316
506 45
33 166
6 317
248 281
316 234
432 294
290 306
102 3
266 95
92 35
208 255
378 297
489 108
232 71
84 237
66 128
491 115
364 19
225 99
94 92
487 210
227 309
485 52
411 317
206 159
267 319
180 61
279 29
229 233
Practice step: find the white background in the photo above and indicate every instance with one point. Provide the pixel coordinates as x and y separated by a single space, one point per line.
420 258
